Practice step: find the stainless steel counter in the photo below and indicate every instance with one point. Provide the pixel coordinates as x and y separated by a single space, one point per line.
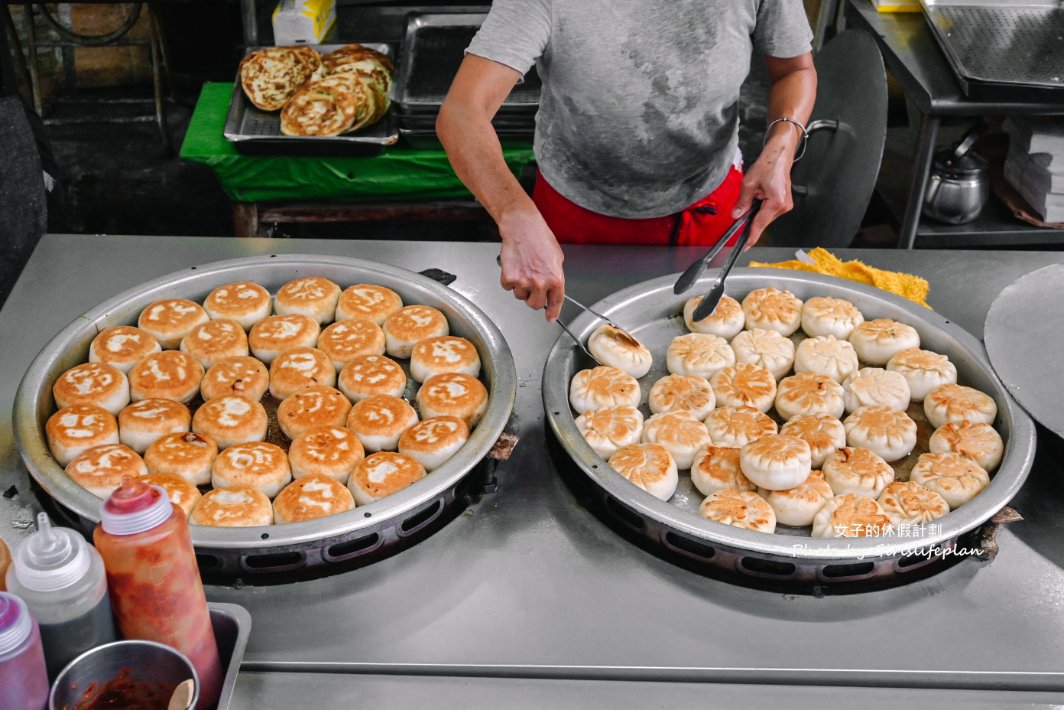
527 596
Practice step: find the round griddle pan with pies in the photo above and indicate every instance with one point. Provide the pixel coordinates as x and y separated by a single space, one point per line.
787 560
326 545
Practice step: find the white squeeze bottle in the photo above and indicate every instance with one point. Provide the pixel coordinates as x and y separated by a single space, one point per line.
61 578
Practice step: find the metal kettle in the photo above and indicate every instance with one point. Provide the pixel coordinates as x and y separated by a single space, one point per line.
959 186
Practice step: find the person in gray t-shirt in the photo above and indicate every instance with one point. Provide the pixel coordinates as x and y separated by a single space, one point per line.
638 119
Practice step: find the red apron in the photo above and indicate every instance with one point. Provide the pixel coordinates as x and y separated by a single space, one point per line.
702 223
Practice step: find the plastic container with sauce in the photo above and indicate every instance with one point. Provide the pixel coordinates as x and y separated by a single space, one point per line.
60 577
155 587
23 678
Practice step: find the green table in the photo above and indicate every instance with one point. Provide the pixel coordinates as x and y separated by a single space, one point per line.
414 183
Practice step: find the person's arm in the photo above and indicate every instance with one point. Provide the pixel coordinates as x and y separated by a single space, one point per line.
792 94
531 257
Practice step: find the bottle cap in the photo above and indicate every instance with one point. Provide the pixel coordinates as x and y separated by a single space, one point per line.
52 558
135 508
16 624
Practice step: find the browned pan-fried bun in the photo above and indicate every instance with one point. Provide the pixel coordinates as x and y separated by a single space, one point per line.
824 433
698 355
245 302
886 431
311 296
726 320
835 317
648 466
278 334
188 455
434 441
874 385
243 376
73 430
607 430
958 404
271 75
410 325
978 442
952 476
923 370
765 348
181 493
799 505
100 470
455 394
826 355
680 432
435 356
776 462
772 309
295 369
231 420
309 498
908 502
143 423
876 341
347 340
603 387
741 509
744 385
380 420
738 426
233 507
851 515
214 341
856 470
122 346
809 393
95 383
374 303
331 451
310 407
382 474
261 465
170 374
170 320
616 348
716 468
687 392
371 375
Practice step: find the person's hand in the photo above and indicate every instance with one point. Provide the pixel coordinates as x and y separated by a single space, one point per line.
531 261
768 179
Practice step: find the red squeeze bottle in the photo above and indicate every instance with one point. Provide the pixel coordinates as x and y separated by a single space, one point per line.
155 586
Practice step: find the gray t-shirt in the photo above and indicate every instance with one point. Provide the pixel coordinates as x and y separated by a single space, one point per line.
639 111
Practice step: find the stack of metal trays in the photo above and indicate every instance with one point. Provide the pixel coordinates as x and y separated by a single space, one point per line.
432 51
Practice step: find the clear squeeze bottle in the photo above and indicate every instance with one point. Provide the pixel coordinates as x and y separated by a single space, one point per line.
23 678
60 577
156 591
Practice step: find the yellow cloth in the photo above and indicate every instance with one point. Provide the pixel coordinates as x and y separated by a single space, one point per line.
905 285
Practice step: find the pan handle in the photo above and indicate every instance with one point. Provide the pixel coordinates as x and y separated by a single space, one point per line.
443 277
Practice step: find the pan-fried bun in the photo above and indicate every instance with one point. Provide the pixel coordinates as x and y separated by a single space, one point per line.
233 507
245 302
170 320
607 430
214 341
886 431
369 301
978 442
187 454
744 385
772 309
716 468
455 394
952 476
602 387
243 376
326 450
310 407
874 385
876 341
435 356
370 375
908 502
678 431
614 348
824 433
799 505
851 515
379 421
738 426
648 466
231 420
674 392
856 470
76 429
699 355
297 368
100 470
741 509
726 320
955 403
278 334
345 341
765 348
170 374
776 462
923 370
382 474
410 325
122 346
261 465
181 493
143 423
826 355
95 383
836 317
809 393
309 498
434 441
311 296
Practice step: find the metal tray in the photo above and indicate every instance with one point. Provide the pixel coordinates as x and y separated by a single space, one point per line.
313 548
431 52
1005 42
232 626
252 130
674 528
